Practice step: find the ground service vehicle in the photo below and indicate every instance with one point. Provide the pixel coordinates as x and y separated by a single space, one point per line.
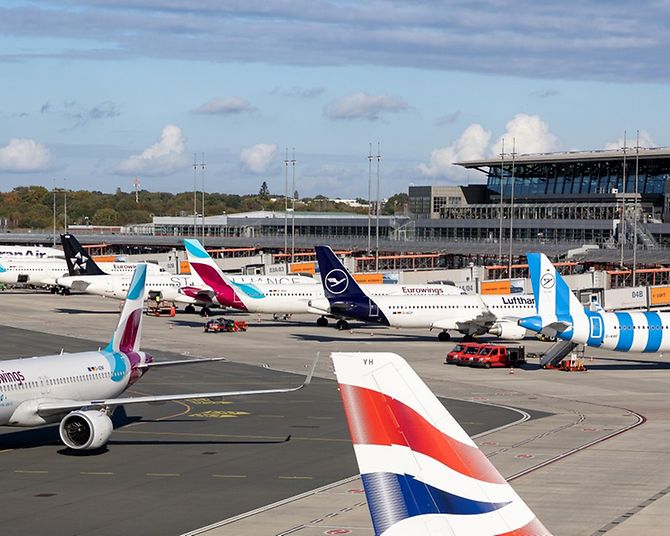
468 354
495 355
457 351
217 325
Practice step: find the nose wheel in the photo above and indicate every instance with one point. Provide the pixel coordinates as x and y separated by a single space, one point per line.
322 321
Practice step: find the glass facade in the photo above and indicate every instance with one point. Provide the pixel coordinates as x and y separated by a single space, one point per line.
586 178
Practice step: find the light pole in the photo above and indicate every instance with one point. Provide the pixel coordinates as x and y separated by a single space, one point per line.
635 211
203 167
286 162
293 211
502 200
65 204
377 207
54 210
370 200
195 196
622 221
511 213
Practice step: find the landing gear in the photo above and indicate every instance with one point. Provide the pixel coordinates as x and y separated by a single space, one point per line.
468 338
342 325
322 321
189 309
278 316
443 336
204 312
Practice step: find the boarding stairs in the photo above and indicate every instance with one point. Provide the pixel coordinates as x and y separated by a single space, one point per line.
555 354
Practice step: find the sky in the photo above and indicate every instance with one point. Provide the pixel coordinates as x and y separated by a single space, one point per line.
96 92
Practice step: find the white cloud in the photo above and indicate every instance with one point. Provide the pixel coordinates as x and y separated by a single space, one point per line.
228 106
361 105
529 133
23 155
164 157
645 141
471 145
259 157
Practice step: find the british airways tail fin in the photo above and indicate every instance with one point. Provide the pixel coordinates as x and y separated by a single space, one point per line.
422 473
78 261
338 284
127 336
555 303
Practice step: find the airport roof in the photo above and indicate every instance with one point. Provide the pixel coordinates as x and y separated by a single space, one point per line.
569 156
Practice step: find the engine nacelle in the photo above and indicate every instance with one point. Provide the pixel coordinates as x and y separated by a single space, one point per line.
85 430
319 306
508 331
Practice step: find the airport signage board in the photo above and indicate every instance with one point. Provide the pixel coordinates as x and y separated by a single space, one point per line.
369 279
659 296
302 268
626 298
502 286
184 267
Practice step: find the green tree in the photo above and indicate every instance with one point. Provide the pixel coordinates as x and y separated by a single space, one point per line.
264 192
396 204
106 216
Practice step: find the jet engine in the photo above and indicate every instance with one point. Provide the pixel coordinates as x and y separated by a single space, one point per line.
508 330
85 430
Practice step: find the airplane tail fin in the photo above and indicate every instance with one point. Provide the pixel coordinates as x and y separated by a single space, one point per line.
338 284
555 303
79 262
208 272
422 473
126 337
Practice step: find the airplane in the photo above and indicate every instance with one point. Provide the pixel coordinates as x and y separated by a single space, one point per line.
469 314
87 276
33 271
80 390
561 314
30 252
275 299
421 472
45 270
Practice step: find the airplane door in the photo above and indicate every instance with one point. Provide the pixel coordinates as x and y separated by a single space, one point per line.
596 327
45 389
374 310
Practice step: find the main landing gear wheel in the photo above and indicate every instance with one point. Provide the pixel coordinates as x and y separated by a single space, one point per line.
322 321
189 309
443 336
204 312
342 325
468 338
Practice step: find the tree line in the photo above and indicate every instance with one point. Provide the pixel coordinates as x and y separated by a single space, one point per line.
31 207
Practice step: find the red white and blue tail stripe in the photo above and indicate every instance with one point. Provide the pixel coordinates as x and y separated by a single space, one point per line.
422 473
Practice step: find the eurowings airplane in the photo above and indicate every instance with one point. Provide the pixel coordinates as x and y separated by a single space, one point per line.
80 390
469 314
560 313
276 299
421 472
86 276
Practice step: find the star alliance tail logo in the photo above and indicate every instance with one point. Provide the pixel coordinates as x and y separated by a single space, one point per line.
336 282
79 262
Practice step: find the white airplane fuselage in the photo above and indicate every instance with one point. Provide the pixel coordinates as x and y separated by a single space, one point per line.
296 299
116 286
27 382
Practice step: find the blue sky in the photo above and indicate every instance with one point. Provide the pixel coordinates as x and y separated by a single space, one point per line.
99 91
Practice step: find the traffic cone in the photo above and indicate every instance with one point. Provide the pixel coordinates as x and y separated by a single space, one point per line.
511 370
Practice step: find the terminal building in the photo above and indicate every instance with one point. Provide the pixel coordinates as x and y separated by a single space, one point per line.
572 196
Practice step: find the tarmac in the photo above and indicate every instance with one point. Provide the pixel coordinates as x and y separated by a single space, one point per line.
592 459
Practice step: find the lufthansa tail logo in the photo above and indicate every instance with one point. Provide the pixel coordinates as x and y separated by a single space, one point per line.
336 281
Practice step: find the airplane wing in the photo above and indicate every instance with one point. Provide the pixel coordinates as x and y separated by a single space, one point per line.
482 321
180 362
60 406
